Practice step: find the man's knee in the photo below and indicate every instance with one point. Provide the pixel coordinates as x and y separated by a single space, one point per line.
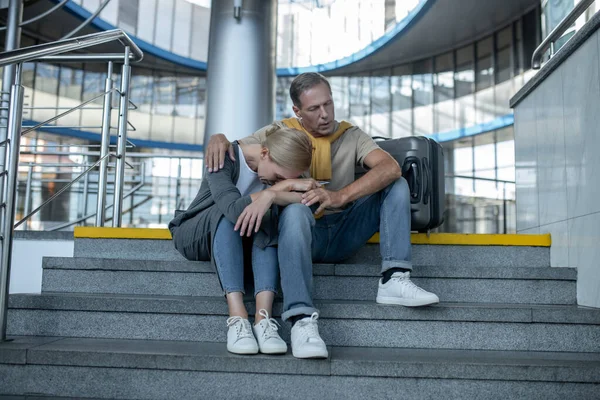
296 215
398 190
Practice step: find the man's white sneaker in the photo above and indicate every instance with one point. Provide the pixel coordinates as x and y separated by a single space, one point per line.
269 341
400 290
240 339
306 342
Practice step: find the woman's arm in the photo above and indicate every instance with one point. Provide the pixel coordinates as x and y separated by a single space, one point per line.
250 219
226 195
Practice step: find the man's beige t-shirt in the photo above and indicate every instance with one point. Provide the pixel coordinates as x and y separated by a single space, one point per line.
348 151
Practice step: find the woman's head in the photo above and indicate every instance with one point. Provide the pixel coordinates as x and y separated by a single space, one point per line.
286 153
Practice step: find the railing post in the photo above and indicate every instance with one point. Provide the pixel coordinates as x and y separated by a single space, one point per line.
15 114
28 192
101 203
122 142
12 42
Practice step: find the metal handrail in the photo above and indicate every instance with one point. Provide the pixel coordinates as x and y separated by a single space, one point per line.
548 42
33 53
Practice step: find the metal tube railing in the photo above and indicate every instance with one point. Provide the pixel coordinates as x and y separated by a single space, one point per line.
10 193
14 133
101 203
548 42
34 53
121 141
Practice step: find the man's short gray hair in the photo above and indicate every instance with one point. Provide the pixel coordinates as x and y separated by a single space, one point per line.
304 82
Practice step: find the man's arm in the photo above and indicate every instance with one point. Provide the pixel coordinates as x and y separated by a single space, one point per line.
383 171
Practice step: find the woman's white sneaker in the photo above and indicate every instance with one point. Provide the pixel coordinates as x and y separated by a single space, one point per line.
306 341
400 290
269 341
240 339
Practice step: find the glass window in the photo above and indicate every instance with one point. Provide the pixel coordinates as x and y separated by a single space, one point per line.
186 97
518 53
485 69
530 37
505 153
380 104
401 90
200 111
28 74
93 84
47 78
141 90
163 108
484 98
503 54
71 82
443 82
339 89
283 103
359 101
164 95
465 74
423 97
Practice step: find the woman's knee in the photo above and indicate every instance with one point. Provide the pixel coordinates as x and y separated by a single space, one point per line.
296 214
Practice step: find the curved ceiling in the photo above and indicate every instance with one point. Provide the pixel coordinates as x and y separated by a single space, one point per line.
438 26
433 27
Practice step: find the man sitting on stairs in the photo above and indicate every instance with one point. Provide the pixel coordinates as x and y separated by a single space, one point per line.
349 211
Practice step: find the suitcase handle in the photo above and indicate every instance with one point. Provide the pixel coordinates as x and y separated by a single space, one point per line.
426 181
382 138
411 165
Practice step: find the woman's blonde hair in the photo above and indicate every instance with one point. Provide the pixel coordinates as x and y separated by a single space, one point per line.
289 148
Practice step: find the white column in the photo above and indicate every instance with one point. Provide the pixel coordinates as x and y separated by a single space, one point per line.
241 67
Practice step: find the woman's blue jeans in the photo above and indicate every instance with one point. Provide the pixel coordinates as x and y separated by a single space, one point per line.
229 257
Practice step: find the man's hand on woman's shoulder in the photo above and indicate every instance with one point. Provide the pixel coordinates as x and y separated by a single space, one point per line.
214 153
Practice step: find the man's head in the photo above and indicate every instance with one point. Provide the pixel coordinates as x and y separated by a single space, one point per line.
313 103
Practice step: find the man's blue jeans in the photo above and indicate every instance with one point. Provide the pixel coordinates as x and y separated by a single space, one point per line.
336 237
229 258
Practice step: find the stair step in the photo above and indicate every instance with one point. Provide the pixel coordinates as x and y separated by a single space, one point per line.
342 323
447 255
175 369
331 281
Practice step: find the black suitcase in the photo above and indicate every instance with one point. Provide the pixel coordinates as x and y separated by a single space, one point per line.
422 163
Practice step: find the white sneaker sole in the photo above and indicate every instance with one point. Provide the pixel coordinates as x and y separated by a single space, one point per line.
406 302
280 350
242 351
310 354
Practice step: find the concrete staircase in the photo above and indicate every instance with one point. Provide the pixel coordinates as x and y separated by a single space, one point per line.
129 319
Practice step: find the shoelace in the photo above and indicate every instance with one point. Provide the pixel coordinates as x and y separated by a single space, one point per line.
272 325
310 330
408 284
243 329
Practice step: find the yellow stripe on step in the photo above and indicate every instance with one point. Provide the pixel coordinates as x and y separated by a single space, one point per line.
456 239
465 239
121 233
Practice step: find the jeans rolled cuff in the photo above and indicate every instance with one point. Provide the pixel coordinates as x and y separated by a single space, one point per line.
226 291
298 311
388 264
266 289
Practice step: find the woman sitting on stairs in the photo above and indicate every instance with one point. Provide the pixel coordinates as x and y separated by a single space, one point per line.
239 203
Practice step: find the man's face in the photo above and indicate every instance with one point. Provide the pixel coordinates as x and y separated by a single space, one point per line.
317 110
